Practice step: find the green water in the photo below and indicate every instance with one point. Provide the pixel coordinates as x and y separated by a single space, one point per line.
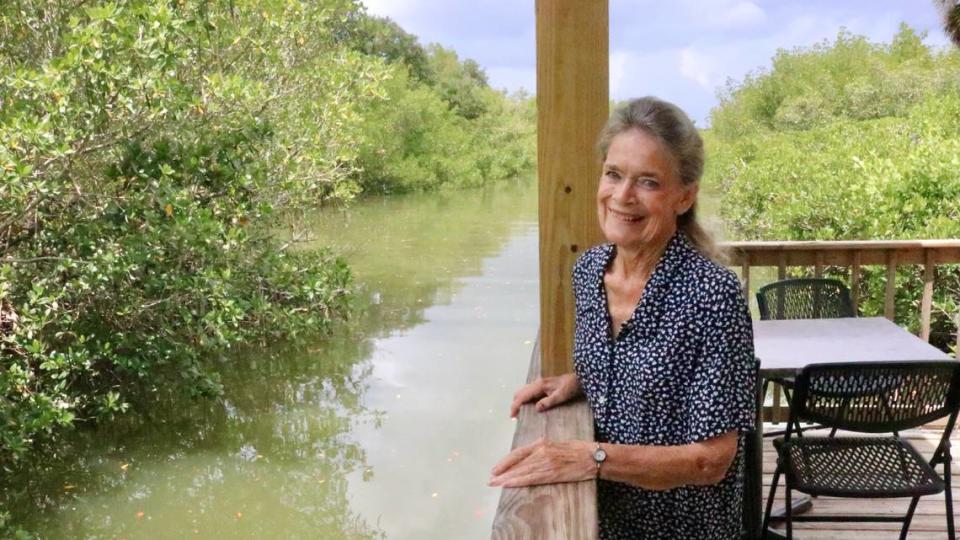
386 431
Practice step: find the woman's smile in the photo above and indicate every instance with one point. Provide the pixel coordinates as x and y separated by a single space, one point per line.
626 216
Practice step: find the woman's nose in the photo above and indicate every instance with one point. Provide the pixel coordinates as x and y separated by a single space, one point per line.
624 191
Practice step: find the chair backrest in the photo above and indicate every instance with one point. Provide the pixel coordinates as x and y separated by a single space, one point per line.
805 298
877 397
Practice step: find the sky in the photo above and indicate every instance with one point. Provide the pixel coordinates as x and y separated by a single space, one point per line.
684 51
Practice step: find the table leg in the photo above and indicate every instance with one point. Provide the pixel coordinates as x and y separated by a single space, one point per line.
753 481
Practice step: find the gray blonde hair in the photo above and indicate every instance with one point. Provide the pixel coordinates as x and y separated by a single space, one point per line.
673 127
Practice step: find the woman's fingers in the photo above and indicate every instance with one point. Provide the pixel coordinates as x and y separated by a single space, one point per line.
514 457
546 462
526 393
521 480
549 401
559 390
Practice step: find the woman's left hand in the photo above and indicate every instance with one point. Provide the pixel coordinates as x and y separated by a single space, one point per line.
545 462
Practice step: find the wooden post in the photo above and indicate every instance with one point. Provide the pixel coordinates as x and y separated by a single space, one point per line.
891 287
855 282
572 106
926 302
745 276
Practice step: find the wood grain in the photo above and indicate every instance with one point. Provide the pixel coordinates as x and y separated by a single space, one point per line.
926 303
843 252
572 105
558 511
890 289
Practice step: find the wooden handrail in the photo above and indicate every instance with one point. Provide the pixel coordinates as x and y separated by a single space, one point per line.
556 511
853 254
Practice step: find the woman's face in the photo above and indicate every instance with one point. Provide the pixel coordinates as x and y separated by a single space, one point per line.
640 193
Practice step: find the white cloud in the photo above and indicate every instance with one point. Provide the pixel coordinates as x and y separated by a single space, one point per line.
695 66
740 14
618 70
395 9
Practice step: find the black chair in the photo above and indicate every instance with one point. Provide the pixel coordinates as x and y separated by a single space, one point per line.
877 397
803 298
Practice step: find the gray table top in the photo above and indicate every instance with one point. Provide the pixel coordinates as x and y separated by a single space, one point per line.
784 347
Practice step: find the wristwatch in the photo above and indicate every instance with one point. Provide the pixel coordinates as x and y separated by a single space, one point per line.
599 456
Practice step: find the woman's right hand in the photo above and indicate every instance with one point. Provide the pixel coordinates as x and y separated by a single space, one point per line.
552 390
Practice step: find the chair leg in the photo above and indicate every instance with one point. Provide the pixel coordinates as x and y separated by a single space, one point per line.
906 521
786 394
789 511
763 393
948 497
773 491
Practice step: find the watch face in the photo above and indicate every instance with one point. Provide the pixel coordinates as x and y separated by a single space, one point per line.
599 455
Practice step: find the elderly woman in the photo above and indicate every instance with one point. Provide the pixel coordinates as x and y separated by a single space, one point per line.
663 348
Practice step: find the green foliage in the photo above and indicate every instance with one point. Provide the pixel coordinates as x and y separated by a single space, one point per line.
437 122
147 151
380 37
849 78
415 141
849 140
146 148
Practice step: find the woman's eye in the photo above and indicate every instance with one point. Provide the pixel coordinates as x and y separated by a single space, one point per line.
649 183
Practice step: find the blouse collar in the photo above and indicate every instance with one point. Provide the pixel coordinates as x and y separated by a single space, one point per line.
678 251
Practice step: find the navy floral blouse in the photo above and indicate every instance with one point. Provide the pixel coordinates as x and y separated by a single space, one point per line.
681 370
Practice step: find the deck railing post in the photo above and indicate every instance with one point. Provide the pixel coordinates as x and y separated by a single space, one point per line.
855 281
889 304
926 304
572 106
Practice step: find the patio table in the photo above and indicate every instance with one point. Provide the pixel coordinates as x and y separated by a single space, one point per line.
784 347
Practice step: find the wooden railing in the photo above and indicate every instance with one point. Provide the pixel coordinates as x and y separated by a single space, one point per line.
569 510
853 255
558 510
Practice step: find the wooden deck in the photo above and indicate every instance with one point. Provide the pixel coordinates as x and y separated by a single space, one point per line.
929 522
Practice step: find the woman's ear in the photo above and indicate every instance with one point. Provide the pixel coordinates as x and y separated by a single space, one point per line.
689 198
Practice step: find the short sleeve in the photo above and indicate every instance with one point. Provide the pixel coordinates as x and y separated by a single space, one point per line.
721 396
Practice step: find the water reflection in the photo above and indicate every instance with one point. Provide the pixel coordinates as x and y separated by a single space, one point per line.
386 430
275 450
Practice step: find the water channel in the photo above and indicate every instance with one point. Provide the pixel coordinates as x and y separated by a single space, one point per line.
386 430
